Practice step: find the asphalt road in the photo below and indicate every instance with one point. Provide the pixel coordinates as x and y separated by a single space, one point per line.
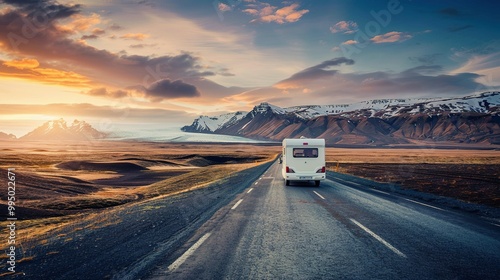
340 230
252 226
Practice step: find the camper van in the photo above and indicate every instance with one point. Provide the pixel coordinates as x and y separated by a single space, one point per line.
303 160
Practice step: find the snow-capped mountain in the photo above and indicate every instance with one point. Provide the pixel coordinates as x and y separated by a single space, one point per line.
60 130
5 136
211 124
473 118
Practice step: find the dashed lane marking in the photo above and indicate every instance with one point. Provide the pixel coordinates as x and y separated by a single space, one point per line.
236 205
251 189
380 239
188 253
318 195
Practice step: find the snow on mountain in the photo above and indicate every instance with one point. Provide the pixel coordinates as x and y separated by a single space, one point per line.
487 102
211 124
59 130
470 119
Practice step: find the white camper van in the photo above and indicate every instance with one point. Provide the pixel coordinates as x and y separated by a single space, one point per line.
303 160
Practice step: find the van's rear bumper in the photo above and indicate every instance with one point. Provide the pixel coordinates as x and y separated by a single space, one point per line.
305 177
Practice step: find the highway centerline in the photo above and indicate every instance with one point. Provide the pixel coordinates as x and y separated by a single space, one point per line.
251 189
236 205
380 239
318 195
188 253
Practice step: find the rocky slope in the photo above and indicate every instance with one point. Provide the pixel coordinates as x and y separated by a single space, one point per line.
470 119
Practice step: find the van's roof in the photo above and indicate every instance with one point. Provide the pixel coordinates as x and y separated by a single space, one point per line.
302 141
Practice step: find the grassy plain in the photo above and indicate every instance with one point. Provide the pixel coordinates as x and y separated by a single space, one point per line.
58 184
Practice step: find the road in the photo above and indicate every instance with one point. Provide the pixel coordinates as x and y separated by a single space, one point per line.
252 226
340 230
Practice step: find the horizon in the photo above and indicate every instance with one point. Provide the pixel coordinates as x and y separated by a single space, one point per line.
162 64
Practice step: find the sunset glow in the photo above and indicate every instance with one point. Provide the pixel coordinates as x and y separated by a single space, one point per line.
190 58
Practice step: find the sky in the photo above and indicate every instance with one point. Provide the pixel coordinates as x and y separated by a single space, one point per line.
162 63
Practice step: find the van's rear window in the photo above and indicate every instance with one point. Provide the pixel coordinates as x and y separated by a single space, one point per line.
305 152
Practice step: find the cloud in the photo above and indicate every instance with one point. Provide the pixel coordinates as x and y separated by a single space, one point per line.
318 85
115 27
166 89
29 69
104 92
350 42
134 36
81 23
391 37
89 37
75 61
223 7
140 46
25 63
40 11
106 115
488 66
345 27
319 71
264 12
253 12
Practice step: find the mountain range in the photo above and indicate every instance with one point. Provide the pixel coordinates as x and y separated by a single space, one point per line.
470 119
59 130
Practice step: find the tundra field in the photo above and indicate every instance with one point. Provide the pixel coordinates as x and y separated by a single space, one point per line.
57 184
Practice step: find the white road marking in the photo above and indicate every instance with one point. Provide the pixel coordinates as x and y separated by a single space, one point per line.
188 253
251 189
380 239
425 204
380 191
256 183
236 205
318 195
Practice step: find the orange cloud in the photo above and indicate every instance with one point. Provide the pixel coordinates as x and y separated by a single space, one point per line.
134 36
391 37
25 63
81 23
346 27
28 69
350 42
283 15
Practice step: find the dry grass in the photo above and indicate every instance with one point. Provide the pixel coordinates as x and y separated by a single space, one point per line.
468 175
185 167
415 156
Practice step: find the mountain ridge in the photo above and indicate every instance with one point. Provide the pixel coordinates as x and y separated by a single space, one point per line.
469 119
60 130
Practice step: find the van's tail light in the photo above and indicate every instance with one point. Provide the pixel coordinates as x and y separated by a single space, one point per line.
321 170
289 170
